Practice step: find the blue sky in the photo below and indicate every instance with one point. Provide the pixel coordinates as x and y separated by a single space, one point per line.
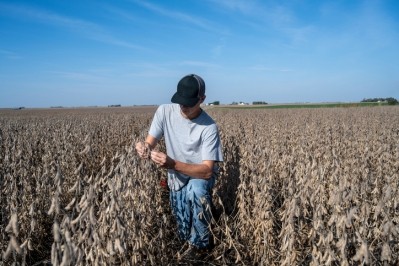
133 52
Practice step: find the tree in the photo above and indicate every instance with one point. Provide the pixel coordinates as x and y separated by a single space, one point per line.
392 101
259 102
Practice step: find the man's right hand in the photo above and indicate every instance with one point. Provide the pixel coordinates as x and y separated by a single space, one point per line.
143 149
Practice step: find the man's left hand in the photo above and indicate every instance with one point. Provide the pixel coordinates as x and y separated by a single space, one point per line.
162 160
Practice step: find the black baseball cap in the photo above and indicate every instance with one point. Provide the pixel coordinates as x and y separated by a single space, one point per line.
189 90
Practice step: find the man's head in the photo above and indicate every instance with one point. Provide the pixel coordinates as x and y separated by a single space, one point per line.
190 91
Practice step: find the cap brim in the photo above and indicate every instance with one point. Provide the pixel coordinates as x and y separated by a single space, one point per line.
184 101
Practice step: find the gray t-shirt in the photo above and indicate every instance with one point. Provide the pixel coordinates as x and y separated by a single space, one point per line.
188 141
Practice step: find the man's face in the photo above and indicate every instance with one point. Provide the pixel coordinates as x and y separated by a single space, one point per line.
191 112
188 111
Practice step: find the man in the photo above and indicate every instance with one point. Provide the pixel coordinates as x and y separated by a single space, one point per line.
193 148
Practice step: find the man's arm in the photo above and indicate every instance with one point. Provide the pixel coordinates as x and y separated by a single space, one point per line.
202 170
152 142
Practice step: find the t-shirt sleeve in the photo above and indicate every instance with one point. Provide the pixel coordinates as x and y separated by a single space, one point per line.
211 145
157 124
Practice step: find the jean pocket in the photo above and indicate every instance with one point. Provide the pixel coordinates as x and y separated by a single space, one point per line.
206 184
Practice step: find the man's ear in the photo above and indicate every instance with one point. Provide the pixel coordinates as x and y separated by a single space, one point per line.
203 98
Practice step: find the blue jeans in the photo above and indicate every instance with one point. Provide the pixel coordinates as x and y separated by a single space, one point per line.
191 207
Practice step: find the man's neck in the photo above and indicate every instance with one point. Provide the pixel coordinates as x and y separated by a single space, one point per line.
193 115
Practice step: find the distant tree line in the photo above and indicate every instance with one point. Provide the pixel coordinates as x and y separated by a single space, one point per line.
259 102
390 100
253 103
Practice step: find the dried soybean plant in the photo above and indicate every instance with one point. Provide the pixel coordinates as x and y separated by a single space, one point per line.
297 187
306 195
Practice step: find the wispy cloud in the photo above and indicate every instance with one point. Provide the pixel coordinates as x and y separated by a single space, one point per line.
270 69
77 76
375 25
146 69
272 13
269 17
169 69
299 35
217 50
199 64
358 30
85 28
119 13
187 18
9 54
243 6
